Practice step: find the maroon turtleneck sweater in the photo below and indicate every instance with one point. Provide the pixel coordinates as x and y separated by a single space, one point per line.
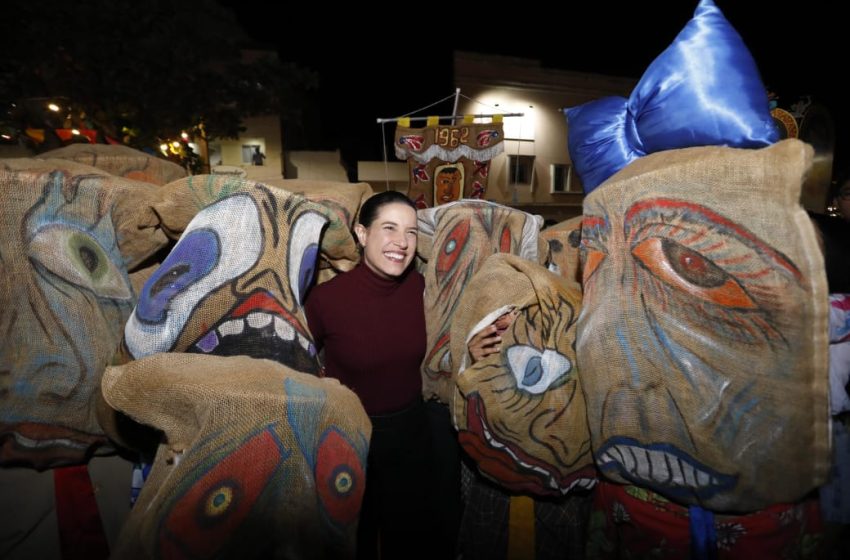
373 332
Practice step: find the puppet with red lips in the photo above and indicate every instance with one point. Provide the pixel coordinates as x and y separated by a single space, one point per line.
235 282
702 337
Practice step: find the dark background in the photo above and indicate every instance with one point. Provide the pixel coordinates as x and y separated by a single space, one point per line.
385 63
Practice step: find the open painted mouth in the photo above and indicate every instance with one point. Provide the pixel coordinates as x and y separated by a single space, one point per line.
509 464
662 467
260 327
44 446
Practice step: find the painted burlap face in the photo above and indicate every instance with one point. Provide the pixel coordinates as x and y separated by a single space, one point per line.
67 237
702 339
520 413
343 200
455 238
259 461
235 282
563 240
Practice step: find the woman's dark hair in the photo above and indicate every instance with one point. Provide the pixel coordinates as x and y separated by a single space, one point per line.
369 210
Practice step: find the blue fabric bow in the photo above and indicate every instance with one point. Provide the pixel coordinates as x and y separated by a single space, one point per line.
703 90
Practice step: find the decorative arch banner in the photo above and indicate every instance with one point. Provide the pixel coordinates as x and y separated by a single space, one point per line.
448 162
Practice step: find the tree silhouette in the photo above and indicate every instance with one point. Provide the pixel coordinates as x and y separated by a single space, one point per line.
140 71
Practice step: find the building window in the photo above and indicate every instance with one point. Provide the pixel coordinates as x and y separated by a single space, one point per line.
520 170
248 152
561 176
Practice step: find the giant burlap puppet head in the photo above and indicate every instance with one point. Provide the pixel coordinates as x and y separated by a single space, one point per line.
121 161
702 339
455 239
520 413
69 234
259 461
702 336
235 282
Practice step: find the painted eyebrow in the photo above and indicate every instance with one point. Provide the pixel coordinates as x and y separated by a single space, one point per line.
656 206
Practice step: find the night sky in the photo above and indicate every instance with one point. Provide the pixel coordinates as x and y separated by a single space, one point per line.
402 59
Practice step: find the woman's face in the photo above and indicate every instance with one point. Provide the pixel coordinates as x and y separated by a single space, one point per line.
389 243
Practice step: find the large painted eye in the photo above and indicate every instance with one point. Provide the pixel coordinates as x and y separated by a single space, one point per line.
221 243
691 272
78 258
340 480
452 247
303 252
211 502
190 260
536 372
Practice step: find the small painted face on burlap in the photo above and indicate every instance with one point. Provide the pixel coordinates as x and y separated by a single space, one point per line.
695 335
448 184
235 282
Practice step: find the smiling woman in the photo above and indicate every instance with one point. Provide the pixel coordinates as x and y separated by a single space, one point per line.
370 323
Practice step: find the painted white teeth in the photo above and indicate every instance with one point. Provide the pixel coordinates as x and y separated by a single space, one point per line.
660 472
642 460
303 342
690 480
657 466
676 471
258 320
235 326
283 329
628 460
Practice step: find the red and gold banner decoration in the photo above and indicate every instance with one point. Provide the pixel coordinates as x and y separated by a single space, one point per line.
446 162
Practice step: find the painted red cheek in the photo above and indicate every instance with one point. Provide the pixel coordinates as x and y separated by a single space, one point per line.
204 518
339 478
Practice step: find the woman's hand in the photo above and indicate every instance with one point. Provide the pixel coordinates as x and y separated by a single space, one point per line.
486 342
489 340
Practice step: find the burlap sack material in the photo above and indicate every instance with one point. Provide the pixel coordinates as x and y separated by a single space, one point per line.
235 282
454 239
339 249
448 162
564 240
120 161
181 200
520 413
257 461
703 338
68 233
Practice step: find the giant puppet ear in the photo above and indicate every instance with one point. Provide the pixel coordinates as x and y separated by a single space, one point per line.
703 90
